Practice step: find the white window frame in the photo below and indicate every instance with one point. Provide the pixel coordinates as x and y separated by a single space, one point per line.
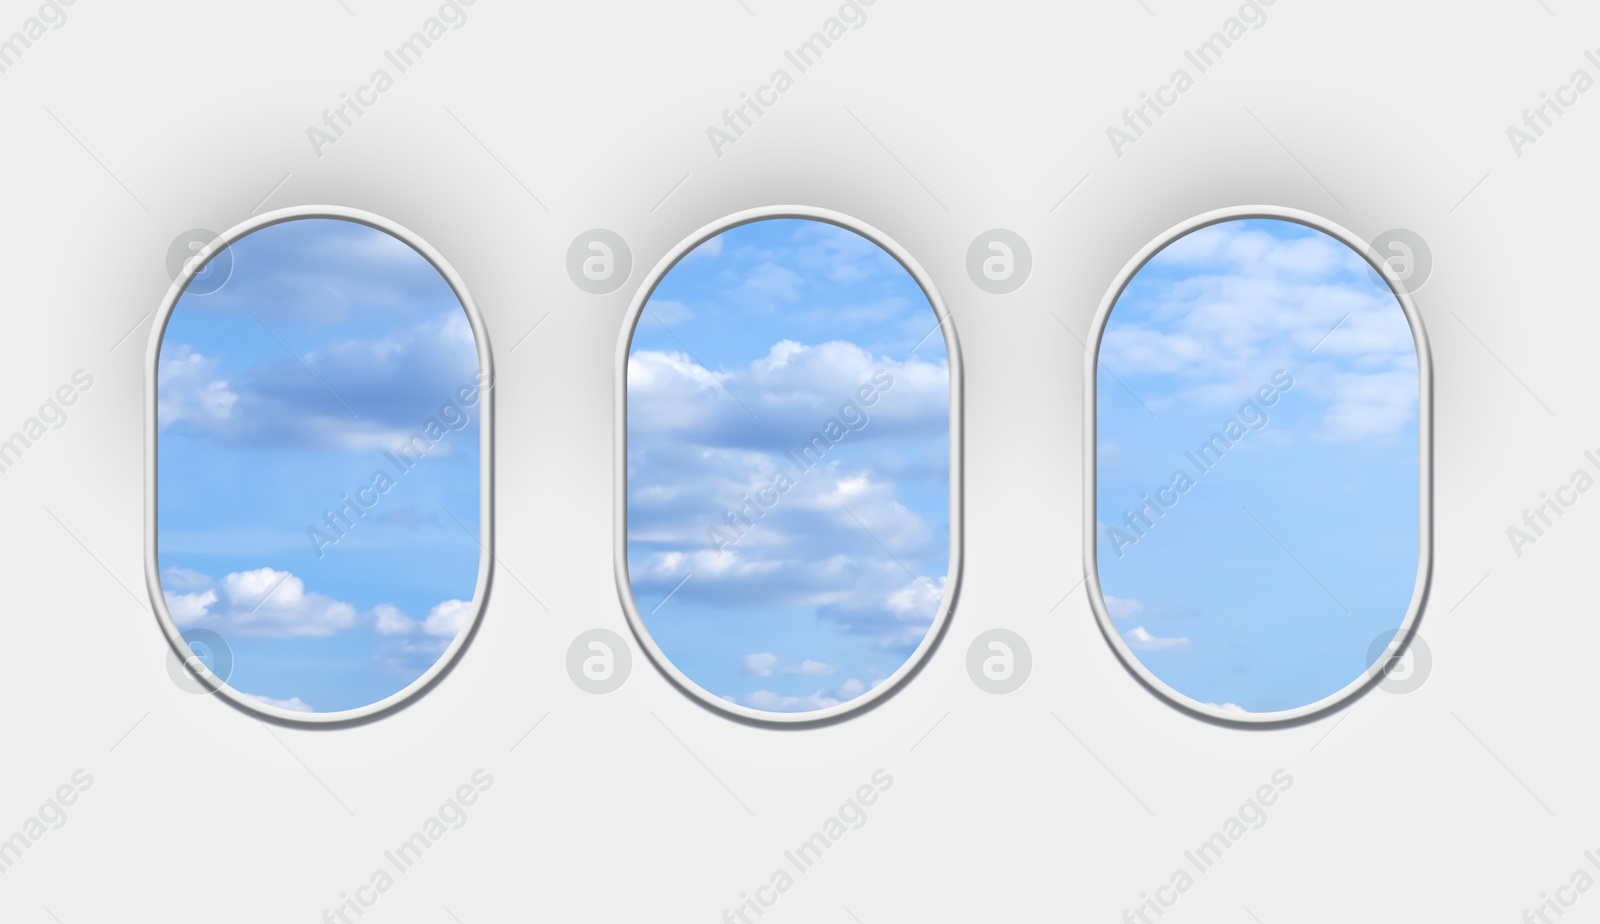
1367 679
930 641
480 333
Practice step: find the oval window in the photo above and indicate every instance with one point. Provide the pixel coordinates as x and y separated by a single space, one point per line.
789 544
1258 423
319 410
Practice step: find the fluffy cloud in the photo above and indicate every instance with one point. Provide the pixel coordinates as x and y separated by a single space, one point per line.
838 537
765 664
710 247
447 619
760 664
1141 640
788 464
792 392
264 602
768 701
267 602
388 620
187 609
335 268
1217 311
189 390
292 704
393 384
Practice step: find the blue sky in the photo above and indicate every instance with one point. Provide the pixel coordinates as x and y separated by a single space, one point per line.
751 344
1293 543
279 395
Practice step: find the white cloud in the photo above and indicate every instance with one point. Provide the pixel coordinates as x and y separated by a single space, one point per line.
292 704
266 602
187 609
1247 303
394 384
1121 608
695 452
669 311
711 247
839 254
772 281
189 389
446 619
1372 405
769 701
793 391
1140 640
184 579
765 664
390 621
